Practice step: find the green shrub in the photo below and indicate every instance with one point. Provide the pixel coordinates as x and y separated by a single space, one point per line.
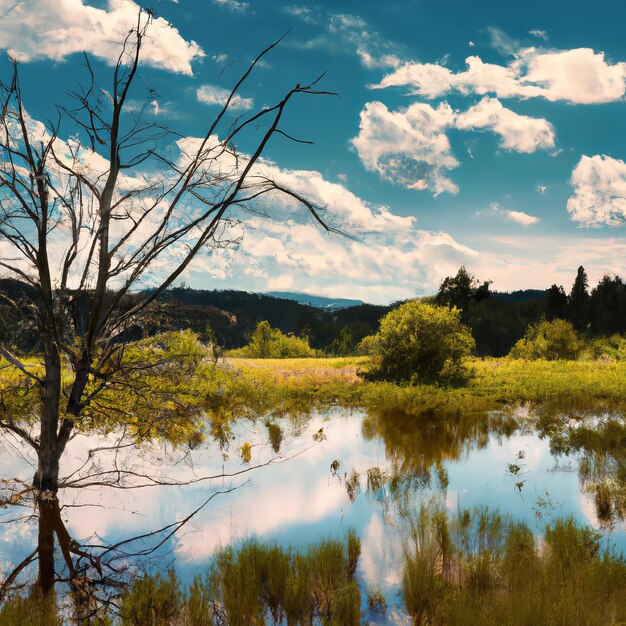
153 601
270 343
366 346
611 348
555 340
421 343
32 610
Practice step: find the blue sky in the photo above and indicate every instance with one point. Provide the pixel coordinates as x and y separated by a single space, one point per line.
463 133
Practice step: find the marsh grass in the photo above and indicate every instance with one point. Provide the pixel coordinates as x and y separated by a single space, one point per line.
282 386
254 585
499 573
32 610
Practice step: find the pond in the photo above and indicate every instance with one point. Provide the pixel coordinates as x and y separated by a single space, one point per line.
532 466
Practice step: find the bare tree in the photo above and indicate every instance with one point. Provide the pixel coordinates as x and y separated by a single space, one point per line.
83 220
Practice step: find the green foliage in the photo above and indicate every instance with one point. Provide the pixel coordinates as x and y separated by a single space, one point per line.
611 348
423 585
457 291
420 342
494 573
153 601
255 584
159 387
32 610
343 344
556 302
550 340
579 301
367 345
257 579
270 343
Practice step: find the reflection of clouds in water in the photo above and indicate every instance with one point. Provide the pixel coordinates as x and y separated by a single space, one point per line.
299 490
297 495
288 495
381 555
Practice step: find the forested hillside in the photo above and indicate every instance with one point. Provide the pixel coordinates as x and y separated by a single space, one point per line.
497 319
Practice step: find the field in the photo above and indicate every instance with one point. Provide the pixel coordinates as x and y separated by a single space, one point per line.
494 383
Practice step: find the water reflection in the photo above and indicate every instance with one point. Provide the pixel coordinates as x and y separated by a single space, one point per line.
598 442
464 459
414 446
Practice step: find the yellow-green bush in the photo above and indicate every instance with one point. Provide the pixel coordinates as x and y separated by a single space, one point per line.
554 340
270 343
419 342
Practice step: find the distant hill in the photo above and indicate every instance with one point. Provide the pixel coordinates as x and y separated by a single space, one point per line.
320 302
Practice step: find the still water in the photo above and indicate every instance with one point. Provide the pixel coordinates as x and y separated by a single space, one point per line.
531 467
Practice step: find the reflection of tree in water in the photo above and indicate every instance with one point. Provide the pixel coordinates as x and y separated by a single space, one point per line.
599 442
415 446
92 572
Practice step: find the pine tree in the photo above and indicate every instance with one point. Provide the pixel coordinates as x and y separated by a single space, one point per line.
579 301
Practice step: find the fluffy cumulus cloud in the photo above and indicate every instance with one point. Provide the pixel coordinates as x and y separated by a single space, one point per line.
410 146
517 132
599 197
380 257
580 76
33 29
214 95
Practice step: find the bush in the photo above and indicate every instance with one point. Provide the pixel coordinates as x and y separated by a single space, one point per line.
367 346
611 348
553 341
270 343
420 342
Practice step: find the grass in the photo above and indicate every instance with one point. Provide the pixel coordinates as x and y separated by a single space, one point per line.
319 382
254 585
481 568
474 568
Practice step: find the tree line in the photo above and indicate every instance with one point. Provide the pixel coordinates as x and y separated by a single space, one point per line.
499 320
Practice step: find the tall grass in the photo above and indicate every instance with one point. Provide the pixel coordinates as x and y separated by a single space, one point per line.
254 585
479 568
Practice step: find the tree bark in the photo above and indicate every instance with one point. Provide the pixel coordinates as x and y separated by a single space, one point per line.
45 542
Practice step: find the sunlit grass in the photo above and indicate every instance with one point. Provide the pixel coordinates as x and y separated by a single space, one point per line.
495 382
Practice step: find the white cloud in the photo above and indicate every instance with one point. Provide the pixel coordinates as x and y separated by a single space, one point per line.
599 197
35 29
385 257
541 189
345 31
540 34
522 218
212 94
515 216
233 5
301 12
579 76
410 146
517 132
522 261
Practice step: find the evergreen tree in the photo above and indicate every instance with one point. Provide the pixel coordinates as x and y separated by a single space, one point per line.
556 303
608 306
579 301
457 291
